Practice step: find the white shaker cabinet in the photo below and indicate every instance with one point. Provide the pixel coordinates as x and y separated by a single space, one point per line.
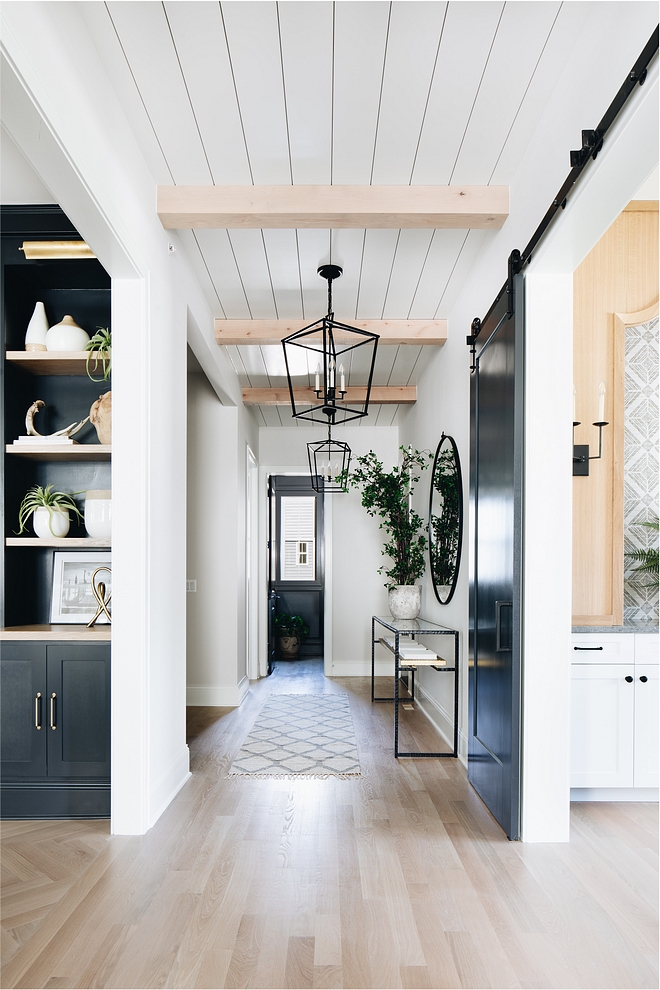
614 710
602 725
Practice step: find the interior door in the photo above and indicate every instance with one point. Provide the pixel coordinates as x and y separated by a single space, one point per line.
296 581
495 578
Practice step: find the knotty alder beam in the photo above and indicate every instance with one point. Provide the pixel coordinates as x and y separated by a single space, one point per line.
325 207
272 331
381 395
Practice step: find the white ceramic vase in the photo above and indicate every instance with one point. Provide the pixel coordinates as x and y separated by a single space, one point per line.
35 337
48 522
66 336
405 601
98 514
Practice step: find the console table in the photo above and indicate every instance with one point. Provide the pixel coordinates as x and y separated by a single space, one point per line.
412 628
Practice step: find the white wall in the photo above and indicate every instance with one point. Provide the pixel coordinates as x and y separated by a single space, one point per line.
62 113
216 647
355 546
19 183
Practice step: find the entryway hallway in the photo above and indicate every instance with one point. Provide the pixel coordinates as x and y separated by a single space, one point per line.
400 878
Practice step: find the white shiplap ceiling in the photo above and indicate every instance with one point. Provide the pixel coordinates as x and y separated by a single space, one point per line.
318 92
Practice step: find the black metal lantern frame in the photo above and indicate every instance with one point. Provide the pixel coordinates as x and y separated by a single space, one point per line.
330 343
329 461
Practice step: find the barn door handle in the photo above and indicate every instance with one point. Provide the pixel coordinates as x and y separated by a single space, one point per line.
37 710
502 642
586 648
53 723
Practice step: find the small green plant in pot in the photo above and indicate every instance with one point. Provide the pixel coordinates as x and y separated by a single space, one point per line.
387 494
49 511
291 631
100 353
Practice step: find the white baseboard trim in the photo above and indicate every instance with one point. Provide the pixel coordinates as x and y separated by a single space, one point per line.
212 696
362 668
168 785
614 794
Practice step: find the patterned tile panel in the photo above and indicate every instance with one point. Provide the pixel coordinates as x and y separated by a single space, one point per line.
640 598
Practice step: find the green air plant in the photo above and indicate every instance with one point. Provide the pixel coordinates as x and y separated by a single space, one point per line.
38 497
445 528
647 558
291 625
100 353
386 494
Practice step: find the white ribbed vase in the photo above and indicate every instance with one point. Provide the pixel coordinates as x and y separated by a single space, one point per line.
405 601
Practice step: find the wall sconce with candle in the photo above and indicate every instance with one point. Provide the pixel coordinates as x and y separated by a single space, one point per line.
581 455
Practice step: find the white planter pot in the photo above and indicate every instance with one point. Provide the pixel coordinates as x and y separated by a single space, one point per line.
405 601
98 514
66 336
35 338
50 522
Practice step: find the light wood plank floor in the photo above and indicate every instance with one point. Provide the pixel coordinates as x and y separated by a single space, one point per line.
398 879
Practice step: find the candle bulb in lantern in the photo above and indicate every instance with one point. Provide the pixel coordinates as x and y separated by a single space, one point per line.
601 402
342 378
331 376
317 378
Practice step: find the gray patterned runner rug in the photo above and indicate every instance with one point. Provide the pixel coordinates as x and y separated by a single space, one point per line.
300 735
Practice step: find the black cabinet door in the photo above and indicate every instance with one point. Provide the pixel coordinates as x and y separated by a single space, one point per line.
78 705
24 709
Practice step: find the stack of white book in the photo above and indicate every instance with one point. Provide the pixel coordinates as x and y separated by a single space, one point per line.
413 654
49 441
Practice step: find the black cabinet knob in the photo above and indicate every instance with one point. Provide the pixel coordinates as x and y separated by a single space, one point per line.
629 679
643 678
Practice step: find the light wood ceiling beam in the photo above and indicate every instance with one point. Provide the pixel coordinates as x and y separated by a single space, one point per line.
272 331
381 395
322 207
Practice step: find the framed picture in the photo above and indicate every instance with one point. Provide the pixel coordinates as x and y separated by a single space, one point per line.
73 599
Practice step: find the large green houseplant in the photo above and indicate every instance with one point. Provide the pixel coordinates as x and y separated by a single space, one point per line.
387 495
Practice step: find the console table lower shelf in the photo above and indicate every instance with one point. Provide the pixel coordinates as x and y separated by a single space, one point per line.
411 629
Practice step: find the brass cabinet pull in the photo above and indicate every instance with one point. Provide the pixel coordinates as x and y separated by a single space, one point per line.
37 710
52 710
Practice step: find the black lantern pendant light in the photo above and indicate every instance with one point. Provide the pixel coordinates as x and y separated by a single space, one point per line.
329 461
325 359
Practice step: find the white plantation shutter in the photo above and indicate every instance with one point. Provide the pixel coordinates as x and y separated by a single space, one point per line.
297 540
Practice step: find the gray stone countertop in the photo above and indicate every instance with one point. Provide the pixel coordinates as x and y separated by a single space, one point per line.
640 627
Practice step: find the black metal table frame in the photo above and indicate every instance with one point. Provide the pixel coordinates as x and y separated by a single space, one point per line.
400 668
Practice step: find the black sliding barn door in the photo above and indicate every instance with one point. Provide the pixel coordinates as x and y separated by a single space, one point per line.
495 578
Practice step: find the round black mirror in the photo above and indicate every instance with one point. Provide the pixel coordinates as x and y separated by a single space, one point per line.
445 519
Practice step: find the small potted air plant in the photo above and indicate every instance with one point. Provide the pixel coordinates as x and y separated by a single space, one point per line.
100 354
291 630
49 511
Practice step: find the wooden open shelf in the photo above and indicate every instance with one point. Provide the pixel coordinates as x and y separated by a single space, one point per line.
55 452
69 542
60 633
54 362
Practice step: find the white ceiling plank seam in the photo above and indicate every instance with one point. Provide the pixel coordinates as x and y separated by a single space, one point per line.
476 95
185 86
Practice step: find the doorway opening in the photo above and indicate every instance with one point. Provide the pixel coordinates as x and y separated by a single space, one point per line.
296 570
